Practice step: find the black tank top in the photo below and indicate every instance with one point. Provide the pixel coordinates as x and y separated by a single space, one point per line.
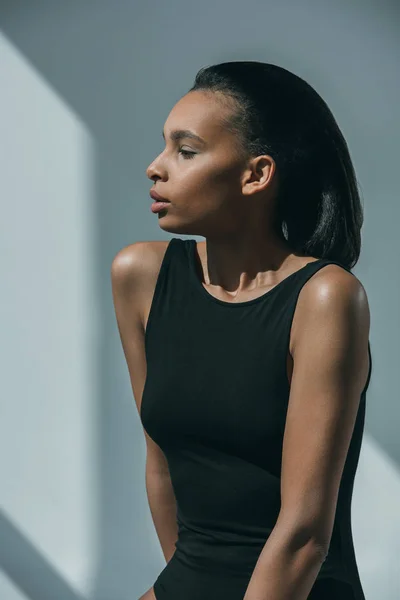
215 401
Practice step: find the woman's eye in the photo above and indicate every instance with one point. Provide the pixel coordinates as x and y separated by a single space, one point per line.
186 153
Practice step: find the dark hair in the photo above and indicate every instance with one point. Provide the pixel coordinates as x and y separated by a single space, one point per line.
318 209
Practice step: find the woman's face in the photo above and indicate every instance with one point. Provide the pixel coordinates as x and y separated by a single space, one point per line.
203 180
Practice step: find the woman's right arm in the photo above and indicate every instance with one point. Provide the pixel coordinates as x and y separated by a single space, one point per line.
132 281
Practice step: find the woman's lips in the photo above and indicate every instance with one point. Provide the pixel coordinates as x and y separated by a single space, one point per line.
157 197
157 206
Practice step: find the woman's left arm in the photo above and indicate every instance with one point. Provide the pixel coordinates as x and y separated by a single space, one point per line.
330 334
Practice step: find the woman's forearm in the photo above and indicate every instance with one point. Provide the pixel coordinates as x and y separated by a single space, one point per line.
285 570
162 505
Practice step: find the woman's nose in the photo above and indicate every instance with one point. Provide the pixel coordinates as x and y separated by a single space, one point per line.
152 170
149 171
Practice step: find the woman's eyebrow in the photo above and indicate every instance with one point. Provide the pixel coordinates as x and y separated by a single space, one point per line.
178 134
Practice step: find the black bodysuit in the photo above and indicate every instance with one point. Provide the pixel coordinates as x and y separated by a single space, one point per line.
215 401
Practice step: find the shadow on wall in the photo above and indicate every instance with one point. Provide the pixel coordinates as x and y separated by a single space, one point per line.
28 569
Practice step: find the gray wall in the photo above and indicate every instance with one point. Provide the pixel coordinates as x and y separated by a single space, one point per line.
86 89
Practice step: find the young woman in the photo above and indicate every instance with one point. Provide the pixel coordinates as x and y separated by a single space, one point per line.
249 352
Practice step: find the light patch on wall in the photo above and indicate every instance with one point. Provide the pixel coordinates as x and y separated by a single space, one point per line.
376 524
8 590
48 322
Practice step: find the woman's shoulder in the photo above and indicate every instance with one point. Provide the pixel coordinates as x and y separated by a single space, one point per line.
332 278
333 292
135 270
142 258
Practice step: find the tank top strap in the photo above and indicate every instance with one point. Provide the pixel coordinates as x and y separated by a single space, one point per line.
293 284
170 284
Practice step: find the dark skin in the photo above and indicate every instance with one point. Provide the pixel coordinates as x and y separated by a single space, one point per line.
231 201
217 193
